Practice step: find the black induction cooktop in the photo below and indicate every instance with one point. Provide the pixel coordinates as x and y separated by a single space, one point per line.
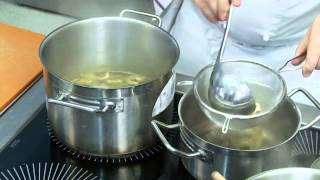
36 154
34 146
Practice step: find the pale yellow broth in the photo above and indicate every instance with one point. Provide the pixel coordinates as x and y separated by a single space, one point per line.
109 79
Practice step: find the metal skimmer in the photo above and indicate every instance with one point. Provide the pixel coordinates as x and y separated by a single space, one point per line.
46 171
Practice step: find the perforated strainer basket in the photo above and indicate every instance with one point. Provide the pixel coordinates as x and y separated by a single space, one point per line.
267 86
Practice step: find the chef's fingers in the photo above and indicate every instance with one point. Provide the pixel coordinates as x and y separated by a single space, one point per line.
216 10
205 8
302 47
236 3
298 60
217 176
318 65
222 9
313 50
213 6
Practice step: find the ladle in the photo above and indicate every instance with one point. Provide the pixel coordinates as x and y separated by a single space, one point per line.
226 93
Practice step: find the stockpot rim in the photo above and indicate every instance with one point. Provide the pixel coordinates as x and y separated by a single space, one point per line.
49 36
203 144
242 117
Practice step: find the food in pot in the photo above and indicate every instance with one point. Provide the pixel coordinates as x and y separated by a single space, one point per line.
251 139
257 108
248 139
109 79
261 95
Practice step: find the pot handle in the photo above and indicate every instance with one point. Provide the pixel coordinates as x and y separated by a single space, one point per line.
62 100
312 99
183 86
175 151
167 18
129 11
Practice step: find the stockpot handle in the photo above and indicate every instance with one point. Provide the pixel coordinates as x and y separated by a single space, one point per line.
61 100
167 18
312 99
129 11
175 151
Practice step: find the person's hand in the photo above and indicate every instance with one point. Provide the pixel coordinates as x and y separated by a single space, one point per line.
216 10
311 45
217 176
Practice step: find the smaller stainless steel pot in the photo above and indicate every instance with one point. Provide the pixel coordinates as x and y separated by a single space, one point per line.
203 152
288 174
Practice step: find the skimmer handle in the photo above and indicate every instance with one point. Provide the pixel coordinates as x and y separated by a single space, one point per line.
286 67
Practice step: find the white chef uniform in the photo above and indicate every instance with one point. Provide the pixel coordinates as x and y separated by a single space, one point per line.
265 31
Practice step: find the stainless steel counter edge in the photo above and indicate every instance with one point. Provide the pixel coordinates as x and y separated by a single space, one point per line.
21 112
29 104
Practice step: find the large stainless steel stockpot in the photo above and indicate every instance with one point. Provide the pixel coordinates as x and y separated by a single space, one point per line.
204 148
110 122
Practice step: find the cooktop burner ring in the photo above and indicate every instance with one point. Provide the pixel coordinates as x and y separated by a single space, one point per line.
122 159
47 171
307 142
306 147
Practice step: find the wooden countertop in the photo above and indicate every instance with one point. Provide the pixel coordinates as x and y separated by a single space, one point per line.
19 62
